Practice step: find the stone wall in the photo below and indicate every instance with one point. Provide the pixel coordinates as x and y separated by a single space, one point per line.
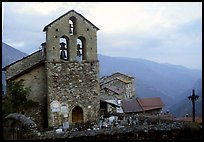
106 94
35 79
76 84
60 28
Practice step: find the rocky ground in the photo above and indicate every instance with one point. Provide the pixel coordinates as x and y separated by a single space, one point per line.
145 128
168 130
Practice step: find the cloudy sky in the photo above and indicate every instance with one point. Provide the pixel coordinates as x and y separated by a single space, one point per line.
158 31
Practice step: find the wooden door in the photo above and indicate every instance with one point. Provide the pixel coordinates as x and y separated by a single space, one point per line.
77 114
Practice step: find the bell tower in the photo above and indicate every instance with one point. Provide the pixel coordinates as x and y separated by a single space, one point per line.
72 69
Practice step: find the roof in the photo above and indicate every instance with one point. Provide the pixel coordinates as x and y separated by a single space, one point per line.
123 80
122 74
141 105
151 103
4 69
111 102
131 106
114 89
25 64
102 82
46 27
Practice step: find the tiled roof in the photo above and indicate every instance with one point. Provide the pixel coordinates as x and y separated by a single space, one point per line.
151 103
141 105
131 106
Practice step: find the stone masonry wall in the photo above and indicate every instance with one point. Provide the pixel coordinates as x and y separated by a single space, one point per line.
61 28
36 81
78 83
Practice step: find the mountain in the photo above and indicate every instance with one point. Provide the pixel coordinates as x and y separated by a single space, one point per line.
9 55
183 105
152 79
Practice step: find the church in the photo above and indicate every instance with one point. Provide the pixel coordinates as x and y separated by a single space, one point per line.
64 75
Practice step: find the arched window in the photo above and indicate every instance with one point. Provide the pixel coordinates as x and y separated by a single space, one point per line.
81 49
72 25
64 44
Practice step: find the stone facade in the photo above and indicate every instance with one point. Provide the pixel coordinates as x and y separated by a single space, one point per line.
77 85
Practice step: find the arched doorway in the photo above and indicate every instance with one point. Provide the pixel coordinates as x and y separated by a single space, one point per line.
77 114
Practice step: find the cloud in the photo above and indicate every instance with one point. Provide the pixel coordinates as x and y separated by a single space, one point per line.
160 31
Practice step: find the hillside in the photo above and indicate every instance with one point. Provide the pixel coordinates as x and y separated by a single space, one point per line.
152 79
183 105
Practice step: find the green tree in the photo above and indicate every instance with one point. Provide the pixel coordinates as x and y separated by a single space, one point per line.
16 98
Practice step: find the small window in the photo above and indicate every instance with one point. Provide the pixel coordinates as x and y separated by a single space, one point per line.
72 25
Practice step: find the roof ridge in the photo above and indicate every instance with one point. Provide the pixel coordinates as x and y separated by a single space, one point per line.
46 27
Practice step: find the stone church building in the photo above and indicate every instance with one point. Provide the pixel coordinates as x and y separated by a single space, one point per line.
64 75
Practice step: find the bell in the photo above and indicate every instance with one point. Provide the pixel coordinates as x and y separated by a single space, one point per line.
78 47
78 53
63 55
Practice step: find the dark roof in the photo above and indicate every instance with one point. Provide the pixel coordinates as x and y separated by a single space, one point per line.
46 27
111 102
141 105
131 106
114 89
4 69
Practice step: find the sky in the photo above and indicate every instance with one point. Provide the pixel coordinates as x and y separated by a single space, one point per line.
164 32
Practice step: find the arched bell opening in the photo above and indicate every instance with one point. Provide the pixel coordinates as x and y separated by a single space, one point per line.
64 44
81 49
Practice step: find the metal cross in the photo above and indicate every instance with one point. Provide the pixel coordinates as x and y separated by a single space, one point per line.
193 98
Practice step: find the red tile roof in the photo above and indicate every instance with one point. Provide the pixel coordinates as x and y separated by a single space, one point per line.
141 105
151 103
131 106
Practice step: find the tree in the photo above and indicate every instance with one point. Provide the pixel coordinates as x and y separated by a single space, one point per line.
16 98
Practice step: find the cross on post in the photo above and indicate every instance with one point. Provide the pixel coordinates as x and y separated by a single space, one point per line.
193 98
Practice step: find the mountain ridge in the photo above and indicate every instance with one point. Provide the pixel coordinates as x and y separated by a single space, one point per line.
152 79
